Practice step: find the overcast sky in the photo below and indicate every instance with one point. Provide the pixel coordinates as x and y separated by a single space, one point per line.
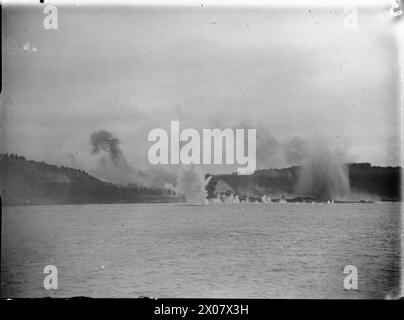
288 73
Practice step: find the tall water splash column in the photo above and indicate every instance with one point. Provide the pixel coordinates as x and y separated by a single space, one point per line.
192 184
324 176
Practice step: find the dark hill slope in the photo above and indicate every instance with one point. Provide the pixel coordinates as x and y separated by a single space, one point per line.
30 182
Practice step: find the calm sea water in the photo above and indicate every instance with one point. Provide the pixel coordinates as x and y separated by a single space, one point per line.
177 250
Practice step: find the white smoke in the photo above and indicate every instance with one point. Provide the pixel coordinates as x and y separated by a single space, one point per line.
324 174
192 184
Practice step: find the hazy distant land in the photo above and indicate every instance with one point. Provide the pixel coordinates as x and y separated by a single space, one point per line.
27 182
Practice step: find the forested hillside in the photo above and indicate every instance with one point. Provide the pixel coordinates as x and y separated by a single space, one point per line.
25 182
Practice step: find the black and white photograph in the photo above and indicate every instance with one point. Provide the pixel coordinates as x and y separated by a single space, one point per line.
201 149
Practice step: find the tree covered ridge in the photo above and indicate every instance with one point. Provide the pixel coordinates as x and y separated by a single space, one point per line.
24 182
381 183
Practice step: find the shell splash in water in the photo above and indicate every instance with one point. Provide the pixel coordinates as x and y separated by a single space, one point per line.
192 184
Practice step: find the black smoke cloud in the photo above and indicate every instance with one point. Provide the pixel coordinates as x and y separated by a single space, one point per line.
113 166
322 176
104 140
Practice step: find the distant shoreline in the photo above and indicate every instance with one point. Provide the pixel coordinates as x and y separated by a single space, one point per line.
27 183
185 203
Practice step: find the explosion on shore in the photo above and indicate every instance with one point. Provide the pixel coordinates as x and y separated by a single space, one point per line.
192 184
324 174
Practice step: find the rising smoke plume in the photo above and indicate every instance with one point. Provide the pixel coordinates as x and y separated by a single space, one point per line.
104 140
191 183
324 174
112 166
